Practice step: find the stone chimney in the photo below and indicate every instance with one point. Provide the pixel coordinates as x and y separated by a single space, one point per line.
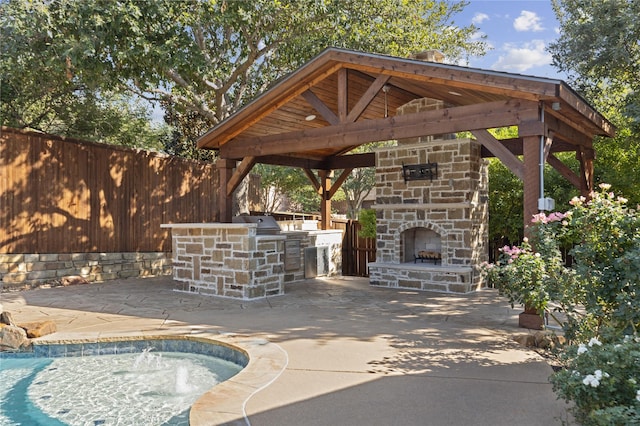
431 55
425 104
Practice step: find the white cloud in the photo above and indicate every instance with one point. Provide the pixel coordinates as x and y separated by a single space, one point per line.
479 18
519 58
528 21
478 35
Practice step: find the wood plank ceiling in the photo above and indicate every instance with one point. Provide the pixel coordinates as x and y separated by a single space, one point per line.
354 96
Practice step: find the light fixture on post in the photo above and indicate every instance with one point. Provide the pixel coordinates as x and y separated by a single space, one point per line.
386 89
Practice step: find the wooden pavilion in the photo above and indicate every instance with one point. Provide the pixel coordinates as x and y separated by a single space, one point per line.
314 117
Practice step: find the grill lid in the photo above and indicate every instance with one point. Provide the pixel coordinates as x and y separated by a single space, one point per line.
266 224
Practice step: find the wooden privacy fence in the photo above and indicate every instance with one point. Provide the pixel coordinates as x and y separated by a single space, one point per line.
67 196
357 251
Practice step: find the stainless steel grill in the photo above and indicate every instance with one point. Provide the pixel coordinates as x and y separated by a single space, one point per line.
267 225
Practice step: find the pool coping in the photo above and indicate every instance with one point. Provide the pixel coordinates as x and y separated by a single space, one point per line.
223 404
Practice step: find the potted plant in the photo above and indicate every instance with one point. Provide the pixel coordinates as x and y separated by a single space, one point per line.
532 274
519 274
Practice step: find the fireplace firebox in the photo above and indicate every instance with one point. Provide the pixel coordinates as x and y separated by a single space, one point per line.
421 244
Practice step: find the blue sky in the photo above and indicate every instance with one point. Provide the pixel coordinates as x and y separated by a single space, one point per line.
518 33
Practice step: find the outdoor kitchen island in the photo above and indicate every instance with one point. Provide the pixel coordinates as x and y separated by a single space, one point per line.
250 259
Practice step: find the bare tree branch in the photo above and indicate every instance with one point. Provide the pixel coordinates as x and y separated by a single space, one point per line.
177 78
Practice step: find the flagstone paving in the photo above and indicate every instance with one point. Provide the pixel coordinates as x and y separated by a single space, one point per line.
330 351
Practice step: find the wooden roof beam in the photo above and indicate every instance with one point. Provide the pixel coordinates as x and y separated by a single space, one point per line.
314 180
343 94
515 146
570 97
290 161
338 183
512 162
367 97
425 123
321 107
491 82
291 87
241 171
568 130
354 161
564 170
396 88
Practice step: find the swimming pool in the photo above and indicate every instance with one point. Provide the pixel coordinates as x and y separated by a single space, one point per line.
136 381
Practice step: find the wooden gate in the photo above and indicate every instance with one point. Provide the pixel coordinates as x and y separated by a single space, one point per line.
357 251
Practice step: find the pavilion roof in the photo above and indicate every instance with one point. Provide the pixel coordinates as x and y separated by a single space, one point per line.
354 96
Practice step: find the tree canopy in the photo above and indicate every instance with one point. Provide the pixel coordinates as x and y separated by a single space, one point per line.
209 57
38 89
599 47
201 60
598 44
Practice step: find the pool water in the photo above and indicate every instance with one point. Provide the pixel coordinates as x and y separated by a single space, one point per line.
146 388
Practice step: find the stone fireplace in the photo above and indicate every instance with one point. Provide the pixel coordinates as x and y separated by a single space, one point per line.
431 233
432 226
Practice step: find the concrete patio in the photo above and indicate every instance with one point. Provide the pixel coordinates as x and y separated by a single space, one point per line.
347 353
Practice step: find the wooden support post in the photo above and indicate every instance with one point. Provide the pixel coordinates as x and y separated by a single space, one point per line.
325 202
586 156
531 151
225 202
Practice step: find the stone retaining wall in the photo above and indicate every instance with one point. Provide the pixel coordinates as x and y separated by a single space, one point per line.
28 270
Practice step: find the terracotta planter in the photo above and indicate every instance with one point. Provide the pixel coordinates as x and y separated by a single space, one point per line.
531 319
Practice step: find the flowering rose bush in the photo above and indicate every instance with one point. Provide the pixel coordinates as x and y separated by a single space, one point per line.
606 263
526 276
599 290
603 381
596 284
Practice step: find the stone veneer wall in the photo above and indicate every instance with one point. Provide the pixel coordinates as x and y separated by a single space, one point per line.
27 270
455 205
232 260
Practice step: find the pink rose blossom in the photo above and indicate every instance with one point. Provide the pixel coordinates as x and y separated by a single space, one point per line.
556 217
539 218
577 201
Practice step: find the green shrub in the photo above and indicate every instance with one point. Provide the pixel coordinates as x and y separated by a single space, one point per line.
603 381
596 285
367 219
